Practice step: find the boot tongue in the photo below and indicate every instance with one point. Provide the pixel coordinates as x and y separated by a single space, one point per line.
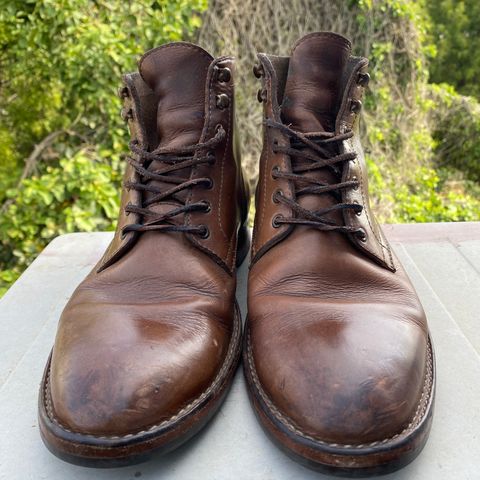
313 82
177 73
310 102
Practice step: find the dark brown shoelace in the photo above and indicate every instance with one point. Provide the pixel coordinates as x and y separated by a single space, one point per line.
174 159
316 149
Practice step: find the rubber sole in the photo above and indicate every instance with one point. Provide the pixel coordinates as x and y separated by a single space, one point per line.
376 458
117 451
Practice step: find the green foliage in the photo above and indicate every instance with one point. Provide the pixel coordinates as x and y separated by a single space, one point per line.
428 197
457 41
419 135
61 63
456 133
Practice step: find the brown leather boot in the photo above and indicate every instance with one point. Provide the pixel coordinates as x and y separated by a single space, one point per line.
148 343
338 356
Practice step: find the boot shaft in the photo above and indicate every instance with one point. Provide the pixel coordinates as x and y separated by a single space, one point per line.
180 98
316 93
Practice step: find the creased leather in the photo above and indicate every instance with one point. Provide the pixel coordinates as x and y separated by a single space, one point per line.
148 330
338 337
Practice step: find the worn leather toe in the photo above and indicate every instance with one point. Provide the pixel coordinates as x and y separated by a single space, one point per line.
335 380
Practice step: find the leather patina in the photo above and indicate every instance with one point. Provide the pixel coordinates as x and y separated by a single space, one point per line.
148 343
338 357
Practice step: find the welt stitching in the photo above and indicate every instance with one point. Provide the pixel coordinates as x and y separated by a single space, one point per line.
218 379
417 417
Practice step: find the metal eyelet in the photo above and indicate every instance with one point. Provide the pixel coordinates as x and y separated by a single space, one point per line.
123 92
205 232
222 101
277 193
123 235
209 186
355 106
358 212
126 113
262 95
258 70
355 179
363 79
361 234
224 75
211 157
275 171
275 220
208 206
127 213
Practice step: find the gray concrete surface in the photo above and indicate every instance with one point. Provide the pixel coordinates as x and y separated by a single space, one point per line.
443 262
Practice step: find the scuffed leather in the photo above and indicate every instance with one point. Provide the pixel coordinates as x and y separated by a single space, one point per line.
148 330
338 337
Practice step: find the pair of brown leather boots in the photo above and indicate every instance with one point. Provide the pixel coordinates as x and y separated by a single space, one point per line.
337 354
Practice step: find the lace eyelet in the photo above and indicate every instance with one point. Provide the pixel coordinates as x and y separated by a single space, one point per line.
363 79
355 179
355 106
123 92
361 234
358 212
258 70
204 233
262 95
275 171
275 220
211 157
222 101
277 193
274 145
126 114
123 235
224 75
208 206
127 213
209 186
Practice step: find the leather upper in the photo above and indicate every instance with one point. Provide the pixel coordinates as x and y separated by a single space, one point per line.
148 330
338 337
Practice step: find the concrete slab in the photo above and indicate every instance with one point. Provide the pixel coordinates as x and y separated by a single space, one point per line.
443 262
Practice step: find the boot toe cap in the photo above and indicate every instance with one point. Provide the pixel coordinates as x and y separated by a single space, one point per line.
124 375
345 382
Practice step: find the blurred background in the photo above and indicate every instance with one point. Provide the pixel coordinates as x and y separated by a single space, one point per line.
61 136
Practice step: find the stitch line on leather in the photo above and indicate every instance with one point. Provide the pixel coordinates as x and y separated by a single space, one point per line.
108 255
227 147
365 205
332 36
288 423
236 335
266 164
207 128
191 46
352 218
